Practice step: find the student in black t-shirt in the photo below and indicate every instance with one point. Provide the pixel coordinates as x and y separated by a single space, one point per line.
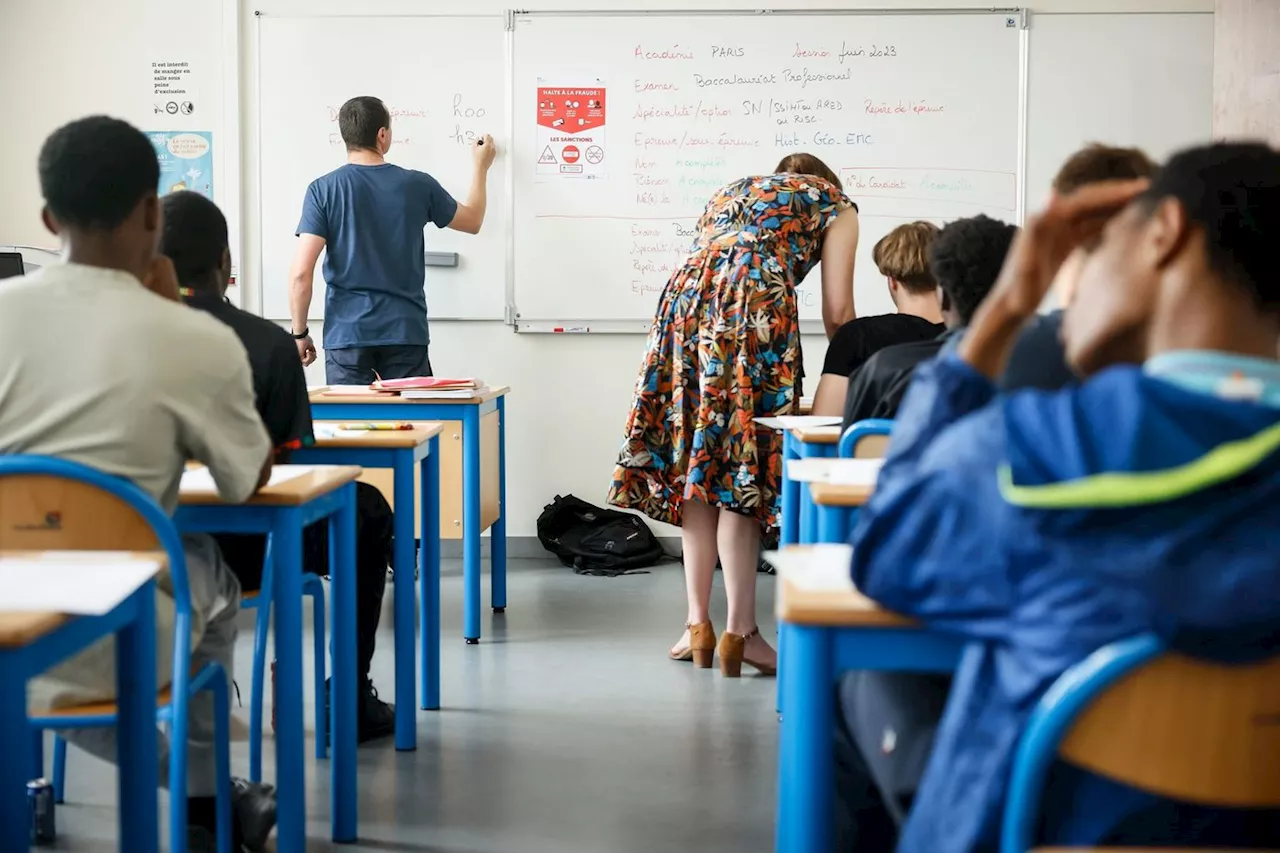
965 258
195 239
902 256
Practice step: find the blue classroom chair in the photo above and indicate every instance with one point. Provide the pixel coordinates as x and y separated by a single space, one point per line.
93 511
1187 729
854 440
312 587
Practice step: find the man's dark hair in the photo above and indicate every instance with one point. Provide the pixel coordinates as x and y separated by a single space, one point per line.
194 238
359 121
94 171
966 258
1097 162
1232 191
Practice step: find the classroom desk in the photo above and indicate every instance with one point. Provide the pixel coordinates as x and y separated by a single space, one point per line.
831 628
797 509
402 451
470 412
31 643
845 484
284 510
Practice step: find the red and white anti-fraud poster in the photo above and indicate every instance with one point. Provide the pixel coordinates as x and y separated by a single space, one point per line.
571 132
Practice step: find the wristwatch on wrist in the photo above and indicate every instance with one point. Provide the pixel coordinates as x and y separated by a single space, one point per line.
305 333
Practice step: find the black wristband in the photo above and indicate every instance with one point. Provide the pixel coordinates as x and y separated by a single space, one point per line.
305 333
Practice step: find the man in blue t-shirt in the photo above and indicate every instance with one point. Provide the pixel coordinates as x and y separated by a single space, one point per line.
369 215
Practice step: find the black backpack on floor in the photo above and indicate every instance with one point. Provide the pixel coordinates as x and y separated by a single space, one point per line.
596 541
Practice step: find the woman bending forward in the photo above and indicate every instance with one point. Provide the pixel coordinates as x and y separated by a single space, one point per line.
725 349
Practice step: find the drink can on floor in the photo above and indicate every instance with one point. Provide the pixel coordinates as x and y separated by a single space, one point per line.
40 801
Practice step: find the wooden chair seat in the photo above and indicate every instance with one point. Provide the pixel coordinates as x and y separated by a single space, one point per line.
93 709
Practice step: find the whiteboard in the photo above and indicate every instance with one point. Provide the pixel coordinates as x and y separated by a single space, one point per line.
444 80
1143 80
920 114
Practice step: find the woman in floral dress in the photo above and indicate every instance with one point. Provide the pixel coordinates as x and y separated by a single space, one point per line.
725 349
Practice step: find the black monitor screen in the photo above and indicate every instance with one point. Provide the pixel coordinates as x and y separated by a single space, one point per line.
10 264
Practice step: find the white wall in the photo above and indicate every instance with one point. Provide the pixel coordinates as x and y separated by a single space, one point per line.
67 58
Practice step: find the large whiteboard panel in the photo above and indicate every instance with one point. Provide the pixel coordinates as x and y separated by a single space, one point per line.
1143 80
443 79
918 113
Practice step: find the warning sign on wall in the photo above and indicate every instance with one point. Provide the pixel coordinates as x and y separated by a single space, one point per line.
570 142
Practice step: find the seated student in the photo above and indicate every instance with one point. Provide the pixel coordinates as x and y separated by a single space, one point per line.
195 239
96 369
902 256
1037 360
965 258
1142 500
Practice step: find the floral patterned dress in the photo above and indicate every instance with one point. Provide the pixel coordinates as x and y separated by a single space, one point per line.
725 349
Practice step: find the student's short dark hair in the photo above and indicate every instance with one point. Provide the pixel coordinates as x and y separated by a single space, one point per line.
1232 191
94 171
966 258
359 121
1097 162
194 237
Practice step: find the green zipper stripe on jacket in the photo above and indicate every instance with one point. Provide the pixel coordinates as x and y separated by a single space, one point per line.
1223 463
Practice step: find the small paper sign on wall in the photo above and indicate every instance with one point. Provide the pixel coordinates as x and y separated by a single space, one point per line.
186 161
571 131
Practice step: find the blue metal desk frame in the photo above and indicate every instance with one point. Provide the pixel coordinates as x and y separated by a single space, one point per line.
470 415
285 523
133 622
815 656
798 516
402 461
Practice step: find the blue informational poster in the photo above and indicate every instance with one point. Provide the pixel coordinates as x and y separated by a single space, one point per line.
186 161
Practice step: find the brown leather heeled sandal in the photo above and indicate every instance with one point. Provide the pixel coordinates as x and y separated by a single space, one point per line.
732 652
702 644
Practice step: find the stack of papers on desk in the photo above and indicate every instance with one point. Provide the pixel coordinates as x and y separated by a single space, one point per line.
83 583
799 421
196 480
815 568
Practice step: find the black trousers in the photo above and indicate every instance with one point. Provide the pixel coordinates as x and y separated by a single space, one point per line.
357 365
374 526
885 724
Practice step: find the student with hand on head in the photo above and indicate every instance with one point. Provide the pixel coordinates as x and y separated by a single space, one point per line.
1142 500
368 217
902 257
195 238
147 386
1038 360
965 258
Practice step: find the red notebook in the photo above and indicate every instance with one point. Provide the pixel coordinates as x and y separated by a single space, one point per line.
424 383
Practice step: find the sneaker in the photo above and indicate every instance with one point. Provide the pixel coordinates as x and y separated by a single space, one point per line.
253 812
376 719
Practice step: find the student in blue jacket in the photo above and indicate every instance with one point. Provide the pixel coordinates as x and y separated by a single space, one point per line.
1046 525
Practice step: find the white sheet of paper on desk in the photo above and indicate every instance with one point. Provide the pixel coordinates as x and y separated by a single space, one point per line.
799 421
815 568
74 584
855 472
201 480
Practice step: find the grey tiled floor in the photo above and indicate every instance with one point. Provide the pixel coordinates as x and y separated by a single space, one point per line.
566 729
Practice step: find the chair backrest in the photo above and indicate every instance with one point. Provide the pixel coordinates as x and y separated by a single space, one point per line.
868 439
54 504
1160 721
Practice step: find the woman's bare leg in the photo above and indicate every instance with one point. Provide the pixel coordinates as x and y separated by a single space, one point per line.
698 540
738 539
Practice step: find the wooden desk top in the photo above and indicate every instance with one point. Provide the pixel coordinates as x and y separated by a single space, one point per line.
482 395
818 435
23 629
318 481
842 608
423 431
841 494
